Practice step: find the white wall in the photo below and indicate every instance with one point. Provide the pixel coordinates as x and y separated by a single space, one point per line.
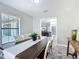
67 13
36 24
67 18
26 21
66 23
64 27
0 33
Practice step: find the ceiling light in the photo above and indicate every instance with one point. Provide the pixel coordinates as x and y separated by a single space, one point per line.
36 1
45 11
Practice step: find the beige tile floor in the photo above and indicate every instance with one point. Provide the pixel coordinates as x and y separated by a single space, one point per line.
59 53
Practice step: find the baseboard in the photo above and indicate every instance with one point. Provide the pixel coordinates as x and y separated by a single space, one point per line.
64 45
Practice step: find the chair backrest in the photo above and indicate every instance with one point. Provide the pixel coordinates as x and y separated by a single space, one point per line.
77 36
48 48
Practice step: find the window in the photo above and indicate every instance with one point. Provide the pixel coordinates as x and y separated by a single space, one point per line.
10 28
6 31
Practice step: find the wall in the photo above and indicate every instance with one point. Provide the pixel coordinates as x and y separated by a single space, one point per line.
0 33
64 26
26 21
65 23
67 14
36 24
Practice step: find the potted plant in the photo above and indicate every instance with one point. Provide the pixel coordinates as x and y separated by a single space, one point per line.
74 34
34 36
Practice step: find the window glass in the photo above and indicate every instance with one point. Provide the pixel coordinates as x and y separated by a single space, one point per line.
10 28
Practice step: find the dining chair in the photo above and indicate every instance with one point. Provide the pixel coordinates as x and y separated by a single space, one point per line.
48 49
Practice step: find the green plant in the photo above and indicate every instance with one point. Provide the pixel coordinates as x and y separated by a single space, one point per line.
74 34
33 34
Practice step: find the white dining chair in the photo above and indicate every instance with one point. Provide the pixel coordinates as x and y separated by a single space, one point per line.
48 50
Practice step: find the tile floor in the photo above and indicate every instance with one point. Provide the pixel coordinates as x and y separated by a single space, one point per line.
59 53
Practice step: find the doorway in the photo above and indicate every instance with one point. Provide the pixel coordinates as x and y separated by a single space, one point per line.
49 28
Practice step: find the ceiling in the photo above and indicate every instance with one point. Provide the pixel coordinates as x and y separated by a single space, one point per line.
45 7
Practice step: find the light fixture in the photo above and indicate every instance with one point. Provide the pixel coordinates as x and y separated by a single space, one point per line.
45 11
36 1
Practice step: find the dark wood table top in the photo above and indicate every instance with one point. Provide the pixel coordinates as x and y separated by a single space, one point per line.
33 51
75 44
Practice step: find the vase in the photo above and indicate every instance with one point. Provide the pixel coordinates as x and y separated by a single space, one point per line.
34 38
74 34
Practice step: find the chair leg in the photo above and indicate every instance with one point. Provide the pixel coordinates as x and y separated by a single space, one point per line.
68 49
